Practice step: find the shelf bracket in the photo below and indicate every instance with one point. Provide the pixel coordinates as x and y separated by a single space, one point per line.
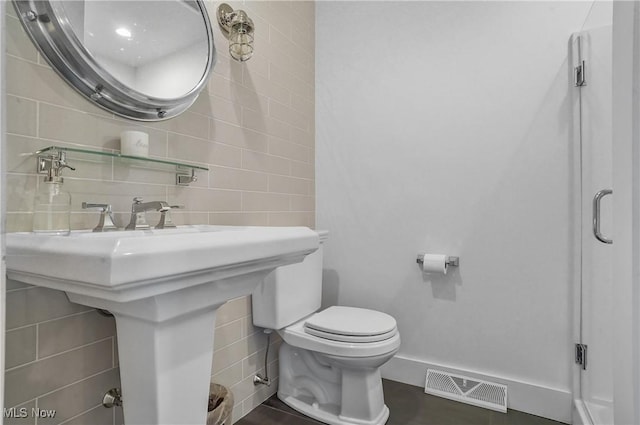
183 179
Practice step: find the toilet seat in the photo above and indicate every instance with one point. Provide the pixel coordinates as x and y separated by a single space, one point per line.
351 324
309 338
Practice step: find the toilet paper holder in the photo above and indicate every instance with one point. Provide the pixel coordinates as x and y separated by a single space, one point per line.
450 261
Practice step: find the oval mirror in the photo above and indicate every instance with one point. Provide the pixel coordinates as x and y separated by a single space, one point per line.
146 60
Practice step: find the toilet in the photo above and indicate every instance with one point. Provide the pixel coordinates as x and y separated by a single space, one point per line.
330 360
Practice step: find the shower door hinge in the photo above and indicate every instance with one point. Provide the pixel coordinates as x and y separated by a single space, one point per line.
581 355
580 74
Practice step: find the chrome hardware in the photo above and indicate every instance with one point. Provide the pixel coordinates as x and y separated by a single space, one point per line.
165 218
139 219
112 398
106 222
581 355
238 28
48 25
596 215
30 15
97 92
52 164
580 75
450 261
258 379
138 208
186 179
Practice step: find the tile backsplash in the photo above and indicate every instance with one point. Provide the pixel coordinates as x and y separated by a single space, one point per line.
253 127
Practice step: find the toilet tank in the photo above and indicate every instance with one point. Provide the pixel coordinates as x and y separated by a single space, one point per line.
289 293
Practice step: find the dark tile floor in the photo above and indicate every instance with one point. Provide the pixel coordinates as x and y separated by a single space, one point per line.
409 405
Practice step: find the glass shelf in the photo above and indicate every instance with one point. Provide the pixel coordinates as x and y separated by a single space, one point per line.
185 172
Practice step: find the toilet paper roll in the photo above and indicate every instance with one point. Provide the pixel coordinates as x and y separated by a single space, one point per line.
134 143
434 263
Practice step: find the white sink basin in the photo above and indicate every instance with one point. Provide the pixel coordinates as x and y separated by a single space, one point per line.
164 288
129 265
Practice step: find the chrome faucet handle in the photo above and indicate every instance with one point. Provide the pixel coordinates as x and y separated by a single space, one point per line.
165 218
106 223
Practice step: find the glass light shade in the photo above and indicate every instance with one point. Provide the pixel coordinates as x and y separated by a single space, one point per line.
241 42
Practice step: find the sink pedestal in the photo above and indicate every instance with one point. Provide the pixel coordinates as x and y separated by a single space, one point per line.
163 383
165 353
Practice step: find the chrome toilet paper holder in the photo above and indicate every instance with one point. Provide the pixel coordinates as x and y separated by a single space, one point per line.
450 261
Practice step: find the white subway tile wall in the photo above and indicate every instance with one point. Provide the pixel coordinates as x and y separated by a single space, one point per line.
253 127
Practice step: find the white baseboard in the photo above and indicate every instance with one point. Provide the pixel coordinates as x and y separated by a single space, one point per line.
580 415
551 403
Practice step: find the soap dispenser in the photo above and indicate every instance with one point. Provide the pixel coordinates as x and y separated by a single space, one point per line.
52 206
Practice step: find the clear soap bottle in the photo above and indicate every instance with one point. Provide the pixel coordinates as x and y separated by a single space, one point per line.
52 206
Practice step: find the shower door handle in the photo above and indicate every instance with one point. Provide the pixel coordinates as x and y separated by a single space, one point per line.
596 215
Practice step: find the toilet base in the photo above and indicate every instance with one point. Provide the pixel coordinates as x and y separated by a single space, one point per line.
329 413
333 389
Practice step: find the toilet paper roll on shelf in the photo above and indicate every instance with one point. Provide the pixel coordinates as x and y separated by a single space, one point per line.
437 263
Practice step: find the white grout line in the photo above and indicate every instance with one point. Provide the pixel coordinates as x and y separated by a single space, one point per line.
35 399
217 373
67 316
37 119
58 354
114 353
37 342
82 413
24 59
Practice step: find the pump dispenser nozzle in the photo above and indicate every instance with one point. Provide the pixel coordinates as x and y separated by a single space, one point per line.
52 165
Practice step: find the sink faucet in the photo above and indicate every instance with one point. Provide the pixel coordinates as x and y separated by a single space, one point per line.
140 207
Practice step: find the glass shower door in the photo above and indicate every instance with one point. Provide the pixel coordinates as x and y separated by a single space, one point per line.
596 381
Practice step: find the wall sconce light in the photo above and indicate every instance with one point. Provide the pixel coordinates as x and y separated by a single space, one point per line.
238 28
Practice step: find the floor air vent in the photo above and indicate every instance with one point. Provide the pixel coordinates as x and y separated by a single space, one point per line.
467 390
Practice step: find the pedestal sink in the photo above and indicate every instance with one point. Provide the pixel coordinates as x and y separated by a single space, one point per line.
164 288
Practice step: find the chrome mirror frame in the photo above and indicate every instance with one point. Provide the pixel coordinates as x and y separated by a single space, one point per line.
50 30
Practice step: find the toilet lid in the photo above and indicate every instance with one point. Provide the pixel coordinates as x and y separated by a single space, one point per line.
351 324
